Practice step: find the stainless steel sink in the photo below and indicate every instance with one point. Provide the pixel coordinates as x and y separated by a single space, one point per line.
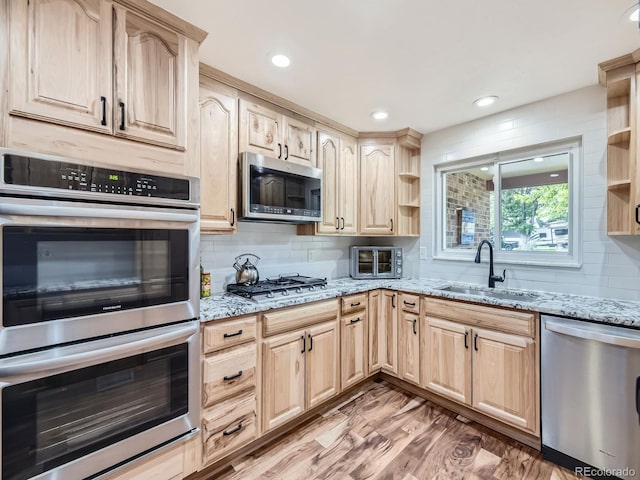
525 297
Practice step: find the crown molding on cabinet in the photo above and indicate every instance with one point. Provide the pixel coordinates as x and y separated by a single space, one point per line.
615 63
261 94
165 18
407 137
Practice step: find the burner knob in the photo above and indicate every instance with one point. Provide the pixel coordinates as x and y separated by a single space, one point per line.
311 288
285 293
270 295
298 290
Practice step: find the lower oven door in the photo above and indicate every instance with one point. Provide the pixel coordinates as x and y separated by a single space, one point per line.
74 411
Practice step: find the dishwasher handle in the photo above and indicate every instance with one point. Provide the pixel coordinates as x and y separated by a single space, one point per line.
604 335
638 398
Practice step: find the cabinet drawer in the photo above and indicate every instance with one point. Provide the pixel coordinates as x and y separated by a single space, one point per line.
510 321
227 373
228 427
229 333
287 319
354 302
410 303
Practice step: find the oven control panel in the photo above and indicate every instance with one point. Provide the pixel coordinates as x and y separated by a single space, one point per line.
37 172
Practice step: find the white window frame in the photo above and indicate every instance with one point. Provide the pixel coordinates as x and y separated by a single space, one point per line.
570 259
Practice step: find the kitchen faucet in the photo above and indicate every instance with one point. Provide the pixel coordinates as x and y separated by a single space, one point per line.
492 278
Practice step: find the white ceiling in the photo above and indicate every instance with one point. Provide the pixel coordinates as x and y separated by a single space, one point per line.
424 61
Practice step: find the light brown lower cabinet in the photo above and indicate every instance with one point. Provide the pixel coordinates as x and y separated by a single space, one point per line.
491 371
230 425
354 347
409 346
299 370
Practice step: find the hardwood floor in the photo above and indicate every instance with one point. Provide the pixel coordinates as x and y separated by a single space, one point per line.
385 433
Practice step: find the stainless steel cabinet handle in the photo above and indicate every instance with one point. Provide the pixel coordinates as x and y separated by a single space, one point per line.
590 333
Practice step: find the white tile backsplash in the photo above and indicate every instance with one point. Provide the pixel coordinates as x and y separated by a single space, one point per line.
610 265
281 251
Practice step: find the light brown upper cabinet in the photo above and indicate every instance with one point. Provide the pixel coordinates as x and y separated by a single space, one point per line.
389 172
150 73
620 76
338 159
377 192
218 157
96 65
61 62
270 133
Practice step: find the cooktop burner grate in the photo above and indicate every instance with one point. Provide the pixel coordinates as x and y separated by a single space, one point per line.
279 287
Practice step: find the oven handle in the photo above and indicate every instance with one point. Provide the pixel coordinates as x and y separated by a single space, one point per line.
73 357
127 213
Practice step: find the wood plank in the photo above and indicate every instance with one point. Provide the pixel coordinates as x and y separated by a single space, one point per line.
287 319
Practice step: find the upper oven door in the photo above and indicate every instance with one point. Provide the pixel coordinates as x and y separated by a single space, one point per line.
72 271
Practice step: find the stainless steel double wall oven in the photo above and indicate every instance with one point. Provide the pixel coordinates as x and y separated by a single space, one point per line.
99 338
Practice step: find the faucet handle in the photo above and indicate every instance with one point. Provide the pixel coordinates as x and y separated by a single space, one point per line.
497 278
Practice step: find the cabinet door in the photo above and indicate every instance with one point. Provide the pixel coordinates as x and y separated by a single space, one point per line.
151 70
377 193
388 325
283 373
409 345
260 130
375 318
448 359
504 378
354 348
322 356
348 186
61 57
218 161
299 142
328 153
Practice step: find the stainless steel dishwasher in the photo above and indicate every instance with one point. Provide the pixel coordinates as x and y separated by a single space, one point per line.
591 396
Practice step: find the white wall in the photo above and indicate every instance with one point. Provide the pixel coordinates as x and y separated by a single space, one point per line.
281 251
611 266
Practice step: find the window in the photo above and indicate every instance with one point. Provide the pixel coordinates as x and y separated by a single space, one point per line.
526 203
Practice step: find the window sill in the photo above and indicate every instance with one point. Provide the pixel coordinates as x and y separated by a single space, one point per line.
547 262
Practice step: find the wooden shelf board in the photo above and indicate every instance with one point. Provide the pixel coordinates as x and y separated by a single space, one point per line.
621 136
408 175
619 233
619 184
409 205
619 88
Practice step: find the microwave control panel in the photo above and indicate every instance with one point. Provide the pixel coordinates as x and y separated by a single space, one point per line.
39 173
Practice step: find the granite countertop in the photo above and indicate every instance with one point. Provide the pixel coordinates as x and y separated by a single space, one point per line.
604 310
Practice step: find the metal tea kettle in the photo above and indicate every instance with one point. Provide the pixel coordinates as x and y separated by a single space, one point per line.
247 273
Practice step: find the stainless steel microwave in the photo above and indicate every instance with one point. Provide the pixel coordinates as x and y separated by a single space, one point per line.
376 262
278 191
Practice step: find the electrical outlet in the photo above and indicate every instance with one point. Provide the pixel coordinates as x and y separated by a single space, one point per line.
423 253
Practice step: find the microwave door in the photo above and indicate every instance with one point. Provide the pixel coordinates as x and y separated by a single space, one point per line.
366 263
384 263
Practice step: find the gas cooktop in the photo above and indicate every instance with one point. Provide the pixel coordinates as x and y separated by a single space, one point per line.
284 286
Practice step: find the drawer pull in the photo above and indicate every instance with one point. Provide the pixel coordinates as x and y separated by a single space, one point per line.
226 378
235 430
409 304
355 321
229 335
357 304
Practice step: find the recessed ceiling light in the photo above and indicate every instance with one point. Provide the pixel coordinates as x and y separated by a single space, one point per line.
538 159
380 115
484 169
553 175
280 60
485 101
635 15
